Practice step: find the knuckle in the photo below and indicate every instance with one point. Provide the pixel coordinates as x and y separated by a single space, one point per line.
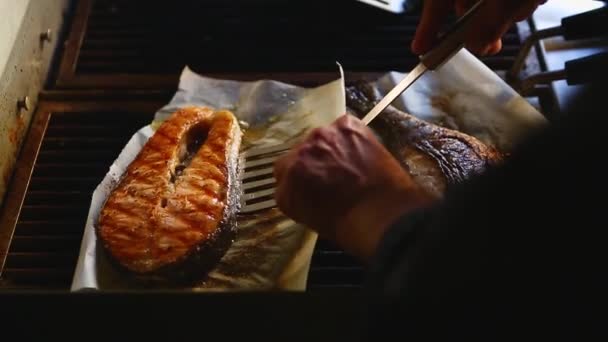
345 118
303 152
316 133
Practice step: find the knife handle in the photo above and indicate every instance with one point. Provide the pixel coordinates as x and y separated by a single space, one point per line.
586 25
452 41
593 68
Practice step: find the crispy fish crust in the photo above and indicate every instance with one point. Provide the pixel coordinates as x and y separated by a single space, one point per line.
172 216
435 156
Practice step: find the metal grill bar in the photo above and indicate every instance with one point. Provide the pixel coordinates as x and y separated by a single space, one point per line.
75 153
118 46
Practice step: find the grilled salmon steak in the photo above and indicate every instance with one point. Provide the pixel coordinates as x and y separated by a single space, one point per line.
172 215
435 156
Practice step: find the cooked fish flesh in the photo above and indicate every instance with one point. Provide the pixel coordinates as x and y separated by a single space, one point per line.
172 215
435 156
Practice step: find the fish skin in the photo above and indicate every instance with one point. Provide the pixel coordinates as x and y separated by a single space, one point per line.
435 156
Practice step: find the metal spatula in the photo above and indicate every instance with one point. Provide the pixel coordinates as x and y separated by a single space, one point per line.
258 179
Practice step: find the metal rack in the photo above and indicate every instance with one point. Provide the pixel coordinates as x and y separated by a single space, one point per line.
121 63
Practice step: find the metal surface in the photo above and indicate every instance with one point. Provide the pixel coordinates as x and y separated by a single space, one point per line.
23 76
533 39
18 187
527 85
47 35
395 92
555 51
74 40
258 177
68 150
113 46
24 104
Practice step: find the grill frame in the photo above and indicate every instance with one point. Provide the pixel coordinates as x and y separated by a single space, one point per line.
15 194
74 91
29 155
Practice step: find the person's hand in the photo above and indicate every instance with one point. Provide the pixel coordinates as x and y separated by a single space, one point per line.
495 19
343 183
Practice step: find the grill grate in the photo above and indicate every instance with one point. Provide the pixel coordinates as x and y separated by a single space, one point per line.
75 154
239 38
124 44
119 42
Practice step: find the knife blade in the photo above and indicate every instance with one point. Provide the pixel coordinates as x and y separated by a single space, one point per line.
448 45
409 79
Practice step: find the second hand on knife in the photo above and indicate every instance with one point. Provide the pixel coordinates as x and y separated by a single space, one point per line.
449 44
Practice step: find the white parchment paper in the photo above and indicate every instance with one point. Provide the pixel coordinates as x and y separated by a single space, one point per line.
467 96
272 251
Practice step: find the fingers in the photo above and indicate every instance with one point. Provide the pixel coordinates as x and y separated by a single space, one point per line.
433 17
352 125
286 162
348 121
494 21
315 155
493 48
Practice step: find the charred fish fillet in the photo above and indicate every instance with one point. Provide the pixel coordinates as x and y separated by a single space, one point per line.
173 214
435 156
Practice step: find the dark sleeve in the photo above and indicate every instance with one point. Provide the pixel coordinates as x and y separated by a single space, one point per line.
522 242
